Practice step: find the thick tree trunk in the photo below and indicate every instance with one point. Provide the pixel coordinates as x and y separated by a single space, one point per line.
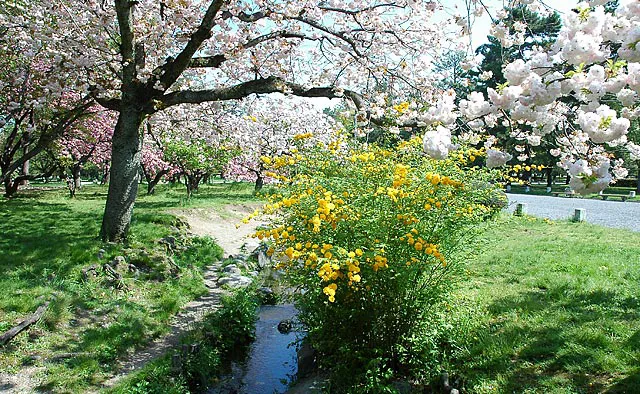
124 175
638 180
549 174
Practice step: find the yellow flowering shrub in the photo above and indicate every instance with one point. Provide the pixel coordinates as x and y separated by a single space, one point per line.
370 235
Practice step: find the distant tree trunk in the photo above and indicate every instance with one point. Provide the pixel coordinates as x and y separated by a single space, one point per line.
153 182
638 180
124 174
105 175
566 182
77 181
259 183
549 173
192 182
25 172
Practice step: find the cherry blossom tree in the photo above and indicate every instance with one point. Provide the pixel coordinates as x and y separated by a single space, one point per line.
153 164
141 57
568 91
272 128
89 140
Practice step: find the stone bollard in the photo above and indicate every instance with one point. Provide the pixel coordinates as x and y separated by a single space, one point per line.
579 215
632 194
527 189
508 188
521 209
548 189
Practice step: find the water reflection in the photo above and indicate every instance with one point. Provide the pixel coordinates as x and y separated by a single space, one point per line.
271 360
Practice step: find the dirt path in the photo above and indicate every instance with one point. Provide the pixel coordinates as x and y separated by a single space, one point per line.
220 224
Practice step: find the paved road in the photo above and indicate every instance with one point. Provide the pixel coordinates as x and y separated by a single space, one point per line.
605 213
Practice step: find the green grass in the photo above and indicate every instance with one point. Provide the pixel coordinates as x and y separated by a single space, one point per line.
47 239
557 310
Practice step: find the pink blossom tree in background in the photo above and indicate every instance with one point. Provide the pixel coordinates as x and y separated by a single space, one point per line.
88 141
38 102
269 128
154 166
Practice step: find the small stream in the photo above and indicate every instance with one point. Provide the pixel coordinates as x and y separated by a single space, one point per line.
271 361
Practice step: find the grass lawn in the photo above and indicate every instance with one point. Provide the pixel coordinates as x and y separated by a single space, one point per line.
556 308
47 239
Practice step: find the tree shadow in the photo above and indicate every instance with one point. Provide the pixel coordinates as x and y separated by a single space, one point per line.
556 335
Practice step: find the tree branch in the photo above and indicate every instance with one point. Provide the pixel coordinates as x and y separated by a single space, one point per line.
257 86
174 68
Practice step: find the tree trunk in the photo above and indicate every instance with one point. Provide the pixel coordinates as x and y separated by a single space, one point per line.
10 187
124 175
549 174
152 183
638 180
566 182
105 174
192 182
77 182
259 183
25 172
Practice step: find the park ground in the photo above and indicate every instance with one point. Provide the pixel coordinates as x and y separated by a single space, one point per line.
544 306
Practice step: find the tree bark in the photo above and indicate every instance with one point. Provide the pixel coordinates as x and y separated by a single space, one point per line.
549 174
25 171
9 335
259 183
124 175
77 182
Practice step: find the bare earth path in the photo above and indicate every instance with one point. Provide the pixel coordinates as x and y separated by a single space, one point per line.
222 225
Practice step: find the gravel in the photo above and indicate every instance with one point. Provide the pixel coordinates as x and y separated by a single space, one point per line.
614 214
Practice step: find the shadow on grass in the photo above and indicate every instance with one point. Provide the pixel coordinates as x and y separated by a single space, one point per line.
35 233
560 337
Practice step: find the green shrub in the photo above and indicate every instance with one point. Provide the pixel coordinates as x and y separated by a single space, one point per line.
374 237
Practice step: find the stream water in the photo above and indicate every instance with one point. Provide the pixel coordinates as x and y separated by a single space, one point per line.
271 361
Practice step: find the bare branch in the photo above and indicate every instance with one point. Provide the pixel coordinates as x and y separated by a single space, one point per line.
258 86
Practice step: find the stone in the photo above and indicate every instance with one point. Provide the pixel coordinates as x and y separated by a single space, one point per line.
580 215
263 259
402 386
231 269
119 260
253 273
306 360
521 209
101 253
235 281
169 240
285 326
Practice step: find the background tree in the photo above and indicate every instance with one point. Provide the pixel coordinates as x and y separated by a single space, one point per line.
141 57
